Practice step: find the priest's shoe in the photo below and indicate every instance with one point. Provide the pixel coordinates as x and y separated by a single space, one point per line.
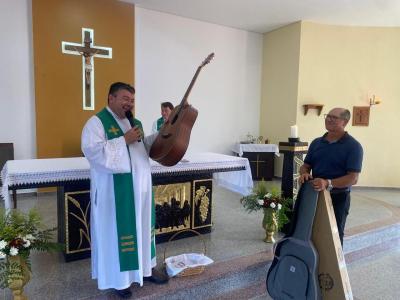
158 277
125 293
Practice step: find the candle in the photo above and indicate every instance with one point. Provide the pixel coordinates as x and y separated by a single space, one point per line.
293 131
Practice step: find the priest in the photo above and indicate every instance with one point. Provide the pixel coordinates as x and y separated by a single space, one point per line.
122 208
166 109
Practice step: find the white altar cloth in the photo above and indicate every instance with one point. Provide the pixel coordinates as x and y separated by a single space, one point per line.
240 148
53 170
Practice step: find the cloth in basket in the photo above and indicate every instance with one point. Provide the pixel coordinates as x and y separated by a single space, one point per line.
178 263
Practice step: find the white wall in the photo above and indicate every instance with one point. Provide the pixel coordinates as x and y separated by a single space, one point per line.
17 106
227 92
168 51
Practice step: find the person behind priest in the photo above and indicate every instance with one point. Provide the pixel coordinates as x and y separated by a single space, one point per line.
335 160
122 212
166 109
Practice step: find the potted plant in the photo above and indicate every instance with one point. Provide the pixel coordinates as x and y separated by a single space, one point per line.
19 234
274 206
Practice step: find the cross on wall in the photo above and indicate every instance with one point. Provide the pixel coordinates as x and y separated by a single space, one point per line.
88 51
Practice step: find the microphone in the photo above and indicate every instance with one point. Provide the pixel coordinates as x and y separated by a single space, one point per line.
129 116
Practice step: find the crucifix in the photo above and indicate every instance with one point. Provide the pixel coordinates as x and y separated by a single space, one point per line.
87 50
361 115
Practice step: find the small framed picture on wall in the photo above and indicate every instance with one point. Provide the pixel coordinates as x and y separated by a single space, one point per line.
361 115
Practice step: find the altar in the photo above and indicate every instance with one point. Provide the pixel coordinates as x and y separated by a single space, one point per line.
182 193
261 158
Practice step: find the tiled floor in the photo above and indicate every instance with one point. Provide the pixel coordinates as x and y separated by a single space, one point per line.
377 276
237 234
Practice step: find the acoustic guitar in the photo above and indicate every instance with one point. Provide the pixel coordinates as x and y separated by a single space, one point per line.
173 138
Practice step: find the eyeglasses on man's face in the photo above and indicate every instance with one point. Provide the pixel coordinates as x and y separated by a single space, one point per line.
332 118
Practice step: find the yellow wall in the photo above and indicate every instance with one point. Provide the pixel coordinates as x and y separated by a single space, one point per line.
58 76
279 85
339 66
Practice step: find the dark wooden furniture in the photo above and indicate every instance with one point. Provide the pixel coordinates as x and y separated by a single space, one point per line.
7 153
261 164
318 107
293 152
260 156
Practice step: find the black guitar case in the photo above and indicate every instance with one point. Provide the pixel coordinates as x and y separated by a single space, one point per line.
294 271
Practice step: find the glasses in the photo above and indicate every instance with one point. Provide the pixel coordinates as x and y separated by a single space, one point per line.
332 118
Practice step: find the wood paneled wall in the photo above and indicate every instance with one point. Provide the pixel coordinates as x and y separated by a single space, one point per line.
58 76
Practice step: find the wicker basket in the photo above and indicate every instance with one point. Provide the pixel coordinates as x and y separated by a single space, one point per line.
188 271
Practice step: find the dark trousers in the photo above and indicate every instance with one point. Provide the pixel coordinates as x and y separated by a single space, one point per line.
341 206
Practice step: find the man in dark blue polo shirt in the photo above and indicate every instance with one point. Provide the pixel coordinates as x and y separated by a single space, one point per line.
333 162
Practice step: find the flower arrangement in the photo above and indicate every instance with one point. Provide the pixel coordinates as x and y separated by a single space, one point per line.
270 201
19 234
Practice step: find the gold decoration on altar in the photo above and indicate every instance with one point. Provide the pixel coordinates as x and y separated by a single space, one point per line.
202 203
172 204
82 217
201 197
297 163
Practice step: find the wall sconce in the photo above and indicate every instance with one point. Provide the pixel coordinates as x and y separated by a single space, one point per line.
374 100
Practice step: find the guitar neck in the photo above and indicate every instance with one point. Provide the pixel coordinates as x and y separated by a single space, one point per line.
189 89
307 206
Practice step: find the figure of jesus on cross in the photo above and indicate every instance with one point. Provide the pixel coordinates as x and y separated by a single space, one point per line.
88 66
87 50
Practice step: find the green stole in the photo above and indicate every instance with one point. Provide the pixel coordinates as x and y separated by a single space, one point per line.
124 202
160 122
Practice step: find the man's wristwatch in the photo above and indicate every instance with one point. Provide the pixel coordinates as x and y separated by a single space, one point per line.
330 186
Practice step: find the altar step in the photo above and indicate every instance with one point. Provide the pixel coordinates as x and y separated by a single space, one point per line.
217 280
244 277
371 242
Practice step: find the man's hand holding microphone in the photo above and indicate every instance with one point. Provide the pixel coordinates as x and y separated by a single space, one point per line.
135 133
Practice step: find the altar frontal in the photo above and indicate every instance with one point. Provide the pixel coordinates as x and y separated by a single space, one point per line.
182 193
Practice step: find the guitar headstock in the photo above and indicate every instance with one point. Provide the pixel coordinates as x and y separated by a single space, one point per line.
207 60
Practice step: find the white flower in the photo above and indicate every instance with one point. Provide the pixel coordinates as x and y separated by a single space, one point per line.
3 244
268 195
260 202
29 237
2 255
13 251
27 243
279 206
273 205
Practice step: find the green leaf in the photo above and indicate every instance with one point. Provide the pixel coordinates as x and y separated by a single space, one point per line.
14 227
250 202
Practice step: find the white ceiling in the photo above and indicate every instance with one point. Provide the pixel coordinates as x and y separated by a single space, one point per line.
266 15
